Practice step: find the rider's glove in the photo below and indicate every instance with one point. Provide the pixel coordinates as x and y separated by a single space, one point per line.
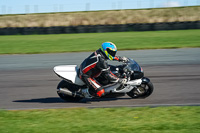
123 59
122 80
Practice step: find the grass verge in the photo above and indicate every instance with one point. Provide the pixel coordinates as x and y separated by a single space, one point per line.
141 120
57 43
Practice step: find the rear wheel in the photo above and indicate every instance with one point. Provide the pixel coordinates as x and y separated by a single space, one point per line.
142 91
66 85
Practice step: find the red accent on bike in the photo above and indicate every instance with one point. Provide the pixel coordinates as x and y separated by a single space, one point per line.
100 93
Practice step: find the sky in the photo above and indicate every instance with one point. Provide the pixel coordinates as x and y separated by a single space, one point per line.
45 6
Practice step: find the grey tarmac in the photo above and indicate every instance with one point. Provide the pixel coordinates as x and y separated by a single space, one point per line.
28 81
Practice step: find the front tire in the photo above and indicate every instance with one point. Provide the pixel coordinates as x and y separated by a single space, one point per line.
142 91
66 85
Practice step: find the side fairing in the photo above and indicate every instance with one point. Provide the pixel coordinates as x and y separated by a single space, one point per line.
68 72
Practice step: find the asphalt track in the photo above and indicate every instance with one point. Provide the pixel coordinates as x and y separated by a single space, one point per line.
28 81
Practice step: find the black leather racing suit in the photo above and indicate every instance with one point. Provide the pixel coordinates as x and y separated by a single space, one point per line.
92 67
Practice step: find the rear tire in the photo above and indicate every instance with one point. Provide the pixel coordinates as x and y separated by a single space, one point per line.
142 91
66 85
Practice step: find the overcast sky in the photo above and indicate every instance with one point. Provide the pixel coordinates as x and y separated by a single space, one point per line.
42 6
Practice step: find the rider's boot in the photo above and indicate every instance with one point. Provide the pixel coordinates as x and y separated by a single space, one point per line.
86 93
100 93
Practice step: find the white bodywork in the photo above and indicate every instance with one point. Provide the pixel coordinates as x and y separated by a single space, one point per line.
69 72
130 85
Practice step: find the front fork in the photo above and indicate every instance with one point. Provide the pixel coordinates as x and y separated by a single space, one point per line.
140 84
141 89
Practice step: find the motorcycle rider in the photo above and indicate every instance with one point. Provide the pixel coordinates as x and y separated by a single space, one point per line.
96 65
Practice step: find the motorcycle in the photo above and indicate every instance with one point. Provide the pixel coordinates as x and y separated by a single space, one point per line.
137 86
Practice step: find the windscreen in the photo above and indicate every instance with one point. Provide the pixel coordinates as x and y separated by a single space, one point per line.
133 65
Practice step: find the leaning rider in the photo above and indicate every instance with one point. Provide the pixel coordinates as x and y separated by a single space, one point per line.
95 65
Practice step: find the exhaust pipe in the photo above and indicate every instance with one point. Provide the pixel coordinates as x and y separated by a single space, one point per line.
67 92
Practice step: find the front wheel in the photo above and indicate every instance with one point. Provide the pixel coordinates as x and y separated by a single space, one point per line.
142 91
66 85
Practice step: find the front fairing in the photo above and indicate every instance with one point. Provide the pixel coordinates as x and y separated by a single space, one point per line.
133 66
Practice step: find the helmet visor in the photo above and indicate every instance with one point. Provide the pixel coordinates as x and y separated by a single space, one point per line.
111 52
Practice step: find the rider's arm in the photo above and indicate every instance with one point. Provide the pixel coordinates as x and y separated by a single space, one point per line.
110 76
102 64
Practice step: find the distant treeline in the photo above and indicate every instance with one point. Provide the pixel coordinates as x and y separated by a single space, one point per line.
100 28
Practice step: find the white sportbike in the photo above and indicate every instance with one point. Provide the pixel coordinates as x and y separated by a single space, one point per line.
73 89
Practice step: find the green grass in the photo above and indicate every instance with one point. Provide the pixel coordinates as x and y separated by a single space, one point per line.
29 44
100 120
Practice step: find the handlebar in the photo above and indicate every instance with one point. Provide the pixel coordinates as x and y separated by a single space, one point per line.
127 72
